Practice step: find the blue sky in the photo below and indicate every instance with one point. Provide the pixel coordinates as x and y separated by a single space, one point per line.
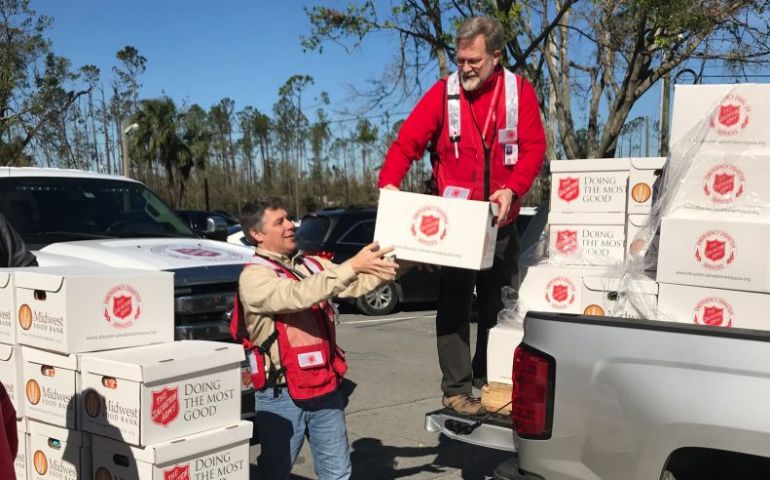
199 51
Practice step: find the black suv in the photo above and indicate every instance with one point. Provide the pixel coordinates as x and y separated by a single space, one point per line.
338 234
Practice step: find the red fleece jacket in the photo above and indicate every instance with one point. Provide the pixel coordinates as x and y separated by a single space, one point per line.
9 442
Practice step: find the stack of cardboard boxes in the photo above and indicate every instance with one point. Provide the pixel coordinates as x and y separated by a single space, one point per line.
52 317
714 262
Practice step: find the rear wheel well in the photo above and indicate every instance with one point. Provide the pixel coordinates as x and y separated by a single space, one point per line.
704 463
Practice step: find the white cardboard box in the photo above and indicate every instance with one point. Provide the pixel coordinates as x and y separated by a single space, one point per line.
583 186
727 182
82 309
217 454
7 307
645 171
714 307
51 387
586 238
717 251
638 243
11 376
503 340
151 394
631 298
441 231
729 117
58 453
553 288
20 463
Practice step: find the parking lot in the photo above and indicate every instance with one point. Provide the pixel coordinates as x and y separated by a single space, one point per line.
393 381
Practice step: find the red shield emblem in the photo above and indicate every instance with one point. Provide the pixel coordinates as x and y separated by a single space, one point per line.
122 306
198 252
715 250
165 405
724 183
560 293
429 225
729 115
566 241
713 316
569 188
179 472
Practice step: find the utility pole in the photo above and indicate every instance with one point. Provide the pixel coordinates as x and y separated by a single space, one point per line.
124 149
665 101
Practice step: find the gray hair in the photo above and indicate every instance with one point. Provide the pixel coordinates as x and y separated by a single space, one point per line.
253 213
489 27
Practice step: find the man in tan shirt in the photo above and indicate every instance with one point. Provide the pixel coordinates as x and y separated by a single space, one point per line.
284 292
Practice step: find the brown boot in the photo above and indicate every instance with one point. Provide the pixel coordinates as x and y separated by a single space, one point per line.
464 403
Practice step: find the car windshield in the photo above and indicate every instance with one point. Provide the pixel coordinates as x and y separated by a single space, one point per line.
46 210
313 229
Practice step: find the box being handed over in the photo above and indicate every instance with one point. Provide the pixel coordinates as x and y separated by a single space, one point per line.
437 230
85 309
155 393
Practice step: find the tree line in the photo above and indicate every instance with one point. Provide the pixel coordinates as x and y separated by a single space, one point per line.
590 61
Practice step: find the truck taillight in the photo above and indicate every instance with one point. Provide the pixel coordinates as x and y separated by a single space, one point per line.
532 393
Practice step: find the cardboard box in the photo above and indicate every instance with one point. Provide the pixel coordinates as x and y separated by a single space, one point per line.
629 298
437 230
638 243
51 387
151 394
724 182
716 251
587 238
20 463
589 186
7 307
713 307
642 183
58 453
553 288
221 454
80 309
503 340
730 118
11 376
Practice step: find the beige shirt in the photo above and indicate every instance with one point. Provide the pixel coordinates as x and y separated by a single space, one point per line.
265 295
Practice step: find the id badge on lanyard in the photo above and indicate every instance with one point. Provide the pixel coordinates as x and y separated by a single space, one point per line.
508 138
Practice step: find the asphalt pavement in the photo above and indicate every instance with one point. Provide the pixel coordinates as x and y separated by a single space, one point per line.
393 380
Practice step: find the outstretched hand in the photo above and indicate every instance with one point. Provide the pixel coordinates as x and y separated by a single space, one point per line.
371 259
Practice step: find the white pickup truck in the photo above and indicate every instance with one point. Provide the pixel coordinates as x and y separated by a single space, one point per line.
73 217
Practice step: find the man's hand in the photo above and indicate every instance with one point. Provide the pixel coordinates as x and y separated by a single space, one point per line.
370 260
390 186
503 197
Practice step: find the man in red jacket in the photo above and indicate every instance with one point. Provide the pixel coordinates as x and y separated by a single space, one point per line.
9 442
487 143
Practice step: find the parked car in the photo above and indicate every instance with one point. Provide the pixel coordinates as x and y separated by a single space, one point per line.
339 233
214 226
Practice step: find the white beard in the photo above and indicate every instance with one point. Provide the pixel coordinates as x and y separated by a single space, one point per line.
470 83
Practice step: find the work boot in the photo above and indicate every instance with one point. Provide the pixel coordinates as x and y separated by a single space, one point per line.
464 403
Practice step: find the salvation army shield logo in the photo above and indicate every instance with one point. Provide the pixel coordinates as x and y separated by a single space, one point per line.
714 312
566 241
731 117
122 306
715 249
724 183
569 188
560 293
429 225
165 406
179 472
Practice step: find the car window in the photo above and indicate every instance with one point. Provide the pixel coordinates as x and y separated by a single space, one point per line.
361 233
313 228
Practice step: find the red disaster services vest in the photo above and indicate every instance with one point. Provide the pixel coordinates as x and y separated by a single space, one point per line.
313 369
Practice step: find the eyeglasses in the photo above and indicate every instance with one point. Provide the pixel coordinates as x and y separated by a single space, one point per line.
474 63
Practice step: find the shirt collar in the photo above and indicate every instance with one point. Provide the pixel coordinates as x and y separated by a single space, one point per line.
291 259
488 84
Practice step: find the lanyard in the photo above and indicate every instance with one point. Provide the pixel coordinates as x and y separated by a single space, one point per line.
491 113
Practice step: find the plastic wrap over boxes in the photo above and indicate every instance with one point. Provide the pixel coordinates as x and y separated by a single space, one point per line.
602 296
437 230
